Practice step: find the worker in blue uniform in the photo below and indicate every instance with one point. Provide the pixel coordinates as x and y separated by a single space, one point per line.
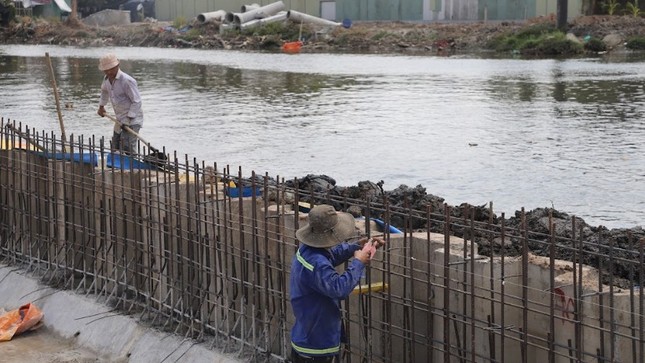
316 288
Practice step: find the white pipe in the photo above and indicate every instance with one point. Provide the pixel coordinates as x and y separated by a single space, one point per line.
299 17
214 15
281 16
253 6
259 13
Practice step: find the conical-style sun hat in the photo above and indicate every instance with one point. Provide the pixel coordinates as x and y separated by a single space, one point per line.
326 227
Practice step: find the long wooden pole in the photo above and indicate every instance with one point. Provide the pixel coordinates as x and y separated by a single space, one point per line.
60 115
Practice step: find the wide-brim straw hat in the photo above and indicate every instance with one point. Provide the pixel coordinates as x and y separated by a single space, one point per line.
108 61
326 227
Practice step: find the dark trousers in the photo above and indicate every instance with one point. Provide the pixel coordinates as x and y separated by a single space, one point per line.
297 358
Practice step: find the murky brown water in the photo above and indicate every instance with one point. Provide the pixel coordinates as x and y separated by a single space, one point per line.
532 133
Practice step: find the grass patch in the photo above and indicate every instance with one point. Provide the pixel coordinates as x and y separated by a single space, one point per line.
382 34
537 40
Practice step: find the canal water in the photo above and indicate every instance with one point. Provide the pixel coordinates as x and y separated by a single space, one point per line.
566 134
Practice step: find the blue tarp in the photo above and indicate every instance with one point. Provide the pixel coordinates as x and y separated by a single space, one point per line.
126 162
85 158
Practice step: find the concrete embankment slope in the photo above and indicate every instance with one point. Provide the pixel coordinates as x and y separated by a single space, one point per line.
86 327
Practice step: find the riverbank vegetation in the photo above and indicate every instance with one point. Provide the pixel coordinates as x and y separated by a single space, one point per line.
534 37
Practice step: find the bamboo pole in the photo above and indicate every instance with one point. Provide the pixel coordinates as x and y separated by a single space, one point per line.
60 115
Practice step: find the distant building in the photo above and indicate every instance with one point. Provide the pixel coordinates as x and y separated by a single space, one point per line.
382 10
44 8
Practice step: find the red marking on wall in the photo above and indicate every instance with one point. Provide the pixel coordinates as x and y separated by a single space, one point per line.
565 304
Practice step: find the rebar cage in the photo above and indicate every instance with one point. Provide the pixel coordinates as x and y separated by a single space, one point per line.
206 253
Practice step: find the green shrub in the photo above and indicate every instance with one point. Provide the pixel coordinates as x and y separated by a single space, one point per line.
636 43
558 45
538 40
595 45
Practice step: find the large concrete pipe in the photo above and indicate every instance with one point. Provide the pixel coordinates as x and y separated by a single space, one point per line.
213 15
281 16
259 13
253 6
298 17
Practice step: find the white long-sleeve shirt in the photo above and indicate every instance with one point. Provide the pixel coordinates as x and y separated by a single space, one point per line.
125 98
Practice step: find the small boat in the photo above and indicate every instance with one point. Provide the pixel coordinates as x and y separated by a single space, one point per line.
292 47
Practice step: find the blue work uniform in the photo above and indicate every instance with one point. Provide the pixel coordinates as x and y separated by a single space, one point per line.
316 290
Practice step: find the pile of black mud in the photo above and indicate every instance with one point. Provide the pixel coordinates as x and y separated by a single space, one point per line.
617 252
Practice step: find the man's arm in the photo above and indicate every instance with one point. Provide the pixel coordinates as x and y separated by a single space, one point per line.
103 99
329 282
343 252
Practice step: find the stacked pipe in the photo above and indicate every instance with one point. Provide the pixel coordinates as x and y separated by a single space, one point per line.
254 15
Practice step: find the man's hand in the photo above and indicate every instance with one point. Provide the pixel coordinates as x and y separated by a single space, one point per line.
362 256
376 241
101 111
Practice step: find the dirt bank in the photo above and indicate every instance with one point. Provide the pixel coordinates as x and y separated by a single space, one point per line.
616 252
372 37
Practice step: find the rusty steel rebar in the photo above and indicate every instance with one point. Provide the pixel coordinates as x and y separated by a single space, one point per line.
174 248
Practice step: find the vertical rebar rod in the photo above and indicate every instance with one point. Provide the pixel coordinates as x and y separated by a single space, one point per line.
551 340
502 289
577 283
641 300
491 284
473 313
601 310
632 307
408 248
464 287
525 281
612 307
446 284
429 288
579 302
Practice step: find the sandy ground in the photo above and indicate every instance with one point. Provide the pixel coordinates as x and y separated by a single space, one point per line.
43 346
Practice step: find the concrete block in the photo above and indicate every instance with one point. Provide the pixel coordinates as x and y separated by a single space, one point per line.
108 17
